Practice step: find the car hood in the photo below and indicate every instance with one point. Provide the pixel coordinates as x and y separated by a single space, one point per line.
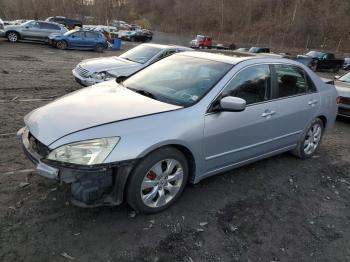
11 27
107 63
92 106
343 88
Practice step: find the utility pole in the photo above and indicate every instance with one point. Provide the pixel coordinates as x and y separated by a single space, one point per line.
222 18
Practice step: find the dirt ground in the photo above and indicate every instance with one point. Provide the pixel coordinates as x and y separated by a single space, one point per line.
279 209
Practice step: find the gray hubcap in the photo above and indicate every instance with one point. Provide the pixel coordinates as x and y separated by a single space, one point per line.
312 139
12 37
162 183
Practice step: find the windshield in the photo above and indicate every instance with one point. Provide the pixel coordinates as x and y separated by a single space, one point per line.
141 54
27 22
70 32
345 78
184 80
315 54
200 37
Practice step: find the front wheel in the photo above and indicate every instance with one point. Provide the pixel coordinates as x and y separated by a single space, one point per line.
310 140
61 45
12 37
157 181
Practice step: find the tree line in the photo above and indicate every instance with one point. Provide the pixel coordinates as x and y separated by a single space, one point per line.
323 24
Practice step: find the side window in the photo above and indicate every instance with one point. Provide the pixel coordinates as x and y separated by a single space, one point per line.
34 24
49 26
90 35
252 84
292 81
78 34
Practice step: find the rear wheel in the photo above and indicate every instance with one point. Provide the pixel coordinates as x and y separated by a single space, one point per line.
99 48
310 140
157 181
61 45
13 37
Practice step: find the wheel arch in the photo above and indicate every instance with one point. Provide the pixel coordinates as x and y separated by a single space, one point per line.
13 31
185 150
324 120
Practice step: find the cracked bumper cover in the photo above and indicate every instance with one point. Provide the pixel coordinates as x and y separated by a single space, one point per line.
91 186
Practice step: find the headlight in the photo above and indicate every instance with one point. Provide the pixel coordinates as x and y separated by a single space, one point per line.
88 152
102 76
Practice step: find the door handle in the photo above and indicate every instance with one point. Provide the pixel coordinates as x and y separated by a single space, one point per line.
268 113
312 102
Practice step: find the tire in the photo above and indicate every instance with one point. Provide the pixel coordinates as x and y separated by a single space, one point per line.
313 133
314 67
155 175
61 45
201 47
336 69
99 48
12 37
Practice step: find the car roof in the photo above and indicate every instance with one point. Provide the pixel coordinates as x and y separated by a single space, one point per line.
236 59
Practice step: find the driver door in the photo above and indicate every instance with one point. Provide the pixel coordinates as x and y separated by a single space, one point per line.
232 138
32 31
77 39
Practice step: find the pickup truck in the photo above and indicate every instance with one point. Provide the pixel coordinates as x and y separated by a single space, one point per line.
201 42
323 60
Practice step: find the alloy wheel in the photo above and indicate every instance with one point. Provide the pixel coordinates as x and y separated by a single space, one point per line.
312 139
162 183
12 37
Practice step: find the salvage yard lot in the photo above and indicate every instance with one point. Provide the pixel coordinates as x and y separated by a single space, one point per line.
279 209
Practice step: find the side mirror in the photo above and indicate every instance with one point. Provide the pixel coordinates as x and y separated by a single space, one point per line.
232 104
120 79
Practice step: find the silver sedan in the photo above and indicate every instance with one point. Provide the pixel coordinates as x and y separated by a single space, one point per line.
342 84
183 119
33 31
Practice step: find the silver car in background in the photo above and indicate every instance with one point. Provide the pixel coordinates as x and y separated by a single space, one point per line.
342 84
33 30
97 70
185 118
2 28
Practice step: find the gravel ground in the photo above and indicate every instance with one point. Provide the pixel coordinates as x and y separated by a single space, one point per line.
279 209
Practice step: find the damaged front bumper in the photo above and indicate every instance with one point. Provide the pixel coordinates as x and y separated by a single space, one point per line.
91 186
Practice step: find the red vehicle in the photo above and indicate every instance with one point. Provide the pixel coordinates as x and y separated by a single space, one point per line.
202 42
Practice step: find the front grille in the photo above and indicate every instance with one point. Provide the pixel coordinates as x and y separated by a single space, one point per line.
345 100
82 71
37 146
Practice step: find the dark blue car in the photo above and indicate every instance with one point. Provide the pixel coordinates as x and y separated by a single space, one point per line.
79 39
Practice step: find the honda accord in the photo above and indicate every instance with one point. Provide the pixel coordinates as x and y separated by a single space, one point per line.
185 118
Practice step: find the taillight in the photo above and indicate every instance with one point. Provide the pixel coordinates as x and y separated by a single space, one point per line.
337 100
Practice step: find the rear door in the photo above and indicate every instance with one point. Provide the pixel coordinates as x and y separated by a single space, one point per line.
297 101
46 29
90 39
